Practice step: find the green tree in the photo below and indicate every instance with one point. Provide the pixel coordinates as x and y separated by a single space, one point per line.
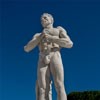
86 95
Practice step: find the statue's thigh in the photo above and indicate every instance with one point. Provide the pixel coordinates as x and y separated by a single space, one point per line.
56 68
42 74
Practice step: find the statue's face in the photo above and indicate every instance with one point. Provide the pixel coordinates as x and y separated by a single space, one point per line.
45 20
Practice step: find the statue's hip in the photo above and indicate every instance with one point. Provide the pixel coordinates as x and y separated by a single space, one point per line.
46 56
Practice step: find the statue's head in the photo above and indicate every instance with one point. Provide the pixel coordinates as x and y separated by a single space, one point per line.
46 19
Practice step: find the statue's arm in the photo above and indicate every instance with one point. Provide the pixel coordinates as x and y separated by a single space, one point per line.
64 40
33 43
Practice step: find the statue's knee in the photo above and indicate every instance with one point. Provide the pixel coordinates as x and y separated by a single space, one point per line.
59 86
42 87
42 84
42 90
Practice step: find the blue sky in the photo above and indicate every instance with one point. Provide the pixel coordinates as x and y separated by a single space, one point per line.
20 20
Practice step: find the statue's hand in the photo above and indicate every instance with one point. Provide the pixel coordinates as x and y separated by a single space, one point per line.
48 37
42 35
46 34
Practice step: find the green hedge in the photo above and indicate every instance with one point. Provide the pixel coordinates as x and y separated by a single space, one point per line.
86 95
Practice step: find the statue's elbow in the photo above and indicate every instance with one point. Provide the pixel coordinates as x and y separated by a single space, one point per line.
26 49
69 45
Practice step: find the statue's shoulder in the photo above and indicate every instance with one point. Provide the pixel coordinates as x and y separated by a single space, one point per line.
36 35
62 31
60 28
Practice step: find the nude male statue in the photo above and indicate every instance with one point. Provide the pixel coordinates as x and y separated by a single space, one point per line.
49 41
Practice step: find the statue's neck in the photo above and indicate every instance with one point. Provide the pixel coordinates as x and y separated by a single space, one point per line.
50 26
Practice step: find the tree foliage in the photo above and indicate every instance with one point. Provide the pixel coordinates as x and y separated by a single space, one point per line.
86 95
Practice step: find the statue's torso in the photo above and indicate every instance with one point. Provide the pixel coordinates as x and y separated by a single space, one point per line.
45 45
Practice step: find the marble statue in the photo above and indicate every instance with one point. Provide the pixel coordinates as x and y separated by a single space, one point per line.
50 41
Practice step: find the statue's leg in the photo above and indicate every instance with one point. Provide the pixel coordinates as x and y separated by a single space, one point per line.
48 90
48 86
43 80
56 68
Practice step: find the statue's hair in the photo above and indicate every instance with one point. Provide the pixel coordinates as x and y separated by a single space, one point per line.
52 19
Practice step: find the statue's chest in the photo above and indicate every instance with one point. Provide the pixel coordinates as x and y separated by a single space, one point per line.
53 32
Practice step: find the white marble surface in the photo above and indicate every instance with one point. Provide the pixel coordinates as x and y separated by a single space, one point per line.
49 41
